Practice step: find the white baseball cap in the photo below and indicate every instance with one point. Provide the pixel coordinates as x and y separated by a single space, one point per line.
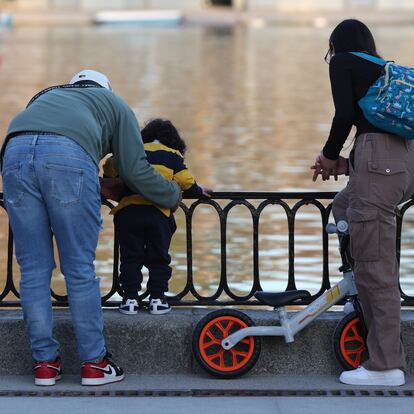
92 75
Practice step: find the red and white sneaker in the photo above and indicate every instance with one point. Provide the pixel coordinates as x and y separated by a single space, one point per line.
102 372
47 372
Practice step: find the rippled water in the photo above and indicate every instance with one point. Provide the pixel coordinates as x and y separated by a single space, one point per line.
254 106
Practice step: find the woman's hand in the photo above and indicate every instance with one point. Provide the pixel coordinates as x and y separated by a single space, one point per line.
326 167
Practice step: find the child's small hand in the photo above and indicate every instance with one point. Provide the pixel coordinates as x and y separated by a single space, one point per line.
207 192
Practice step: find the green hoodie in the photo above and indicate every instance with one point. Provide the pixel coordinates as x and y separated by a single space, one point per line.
101 123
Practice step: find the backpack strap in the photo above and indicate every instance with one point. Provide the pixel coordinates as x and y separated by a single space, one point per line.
69 86
370 58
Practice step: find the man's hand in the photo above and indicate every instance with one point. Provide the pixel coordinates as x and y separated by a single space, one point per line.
112 188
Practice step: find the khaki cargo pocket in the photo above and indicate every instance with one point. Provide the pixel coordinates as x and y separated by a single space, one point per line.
387 181
387 167
364 232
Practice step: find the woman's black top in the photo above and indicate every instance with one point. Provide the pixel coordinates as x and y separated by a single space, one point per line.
351 77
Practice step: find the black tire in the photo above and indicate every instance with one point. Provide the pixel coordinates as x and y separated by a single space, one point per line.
213 358
349 342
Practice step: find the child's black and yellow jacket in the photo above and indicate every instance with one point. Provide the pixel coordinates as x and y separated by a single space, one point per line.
169 163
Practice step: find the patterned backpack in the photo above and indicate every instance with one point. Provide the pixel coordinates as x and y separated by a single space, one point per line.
389 102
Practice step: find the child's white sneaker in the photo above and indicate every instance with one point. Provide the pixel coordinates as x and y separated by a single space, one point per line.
129 306
159 306
362 376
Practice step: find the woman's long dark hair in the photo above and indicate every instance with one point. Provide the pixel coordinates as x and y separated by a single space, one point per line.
164 131
351 35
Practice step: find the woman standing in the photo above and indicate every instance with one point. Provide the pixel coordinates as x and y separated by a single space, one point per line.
381 170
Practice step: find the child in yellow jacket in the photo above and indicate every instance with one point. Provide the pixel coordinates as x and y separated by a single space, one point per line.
144 229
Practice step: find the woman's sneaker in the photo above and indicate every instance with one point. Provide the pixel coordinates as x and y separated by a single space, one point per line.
101 372
47 372
363 376
159 306
129 306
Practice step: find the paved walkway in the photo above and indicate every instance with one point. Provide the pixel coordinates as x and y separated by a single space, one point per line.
202 405
194 382
192 393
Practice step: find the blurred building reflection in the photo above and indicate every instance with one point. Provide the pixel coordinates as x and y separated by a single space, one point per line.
276 5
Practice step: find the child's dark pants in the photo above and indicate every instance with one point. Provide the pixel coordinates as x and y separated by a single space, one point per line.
144 234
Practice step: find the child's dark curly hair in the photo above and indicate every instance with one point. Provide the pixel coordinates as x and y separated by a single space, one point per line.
164 131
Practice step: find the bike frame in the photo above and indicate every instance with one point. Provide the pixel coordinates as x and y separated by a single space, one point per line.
290 326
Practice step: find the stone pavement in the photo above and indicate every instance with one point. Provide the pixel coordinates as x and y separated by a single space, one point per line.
197 393
193 384
202 405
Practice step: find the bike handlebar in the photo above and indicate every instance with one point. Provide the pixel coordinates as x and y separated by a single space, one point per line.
341 227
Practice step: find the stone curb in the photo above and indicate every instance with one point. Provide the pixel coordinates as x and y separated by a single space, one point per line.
148 344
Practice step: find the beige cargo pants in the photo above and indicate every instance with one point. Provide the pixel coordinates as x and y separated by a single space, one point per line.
381 177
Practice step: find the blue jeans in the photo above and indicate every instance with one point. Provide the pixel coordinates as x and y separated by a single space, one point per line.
51 188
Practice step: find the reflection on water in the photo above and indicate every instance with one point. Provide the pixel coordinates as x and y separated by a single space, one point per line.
254 106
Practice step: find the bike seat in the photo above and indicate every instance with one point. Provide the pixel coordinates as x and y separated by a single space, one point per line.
280 299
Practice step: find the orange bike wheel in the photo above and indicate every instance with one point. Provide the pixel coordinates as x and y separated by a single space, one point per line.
349 343
209 353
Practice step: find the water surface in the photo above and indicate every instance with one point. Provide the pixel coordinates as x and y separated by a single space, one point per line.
254 107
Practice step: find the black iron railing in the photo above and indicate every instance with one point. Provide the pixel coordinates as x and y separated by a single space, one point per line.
290 202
